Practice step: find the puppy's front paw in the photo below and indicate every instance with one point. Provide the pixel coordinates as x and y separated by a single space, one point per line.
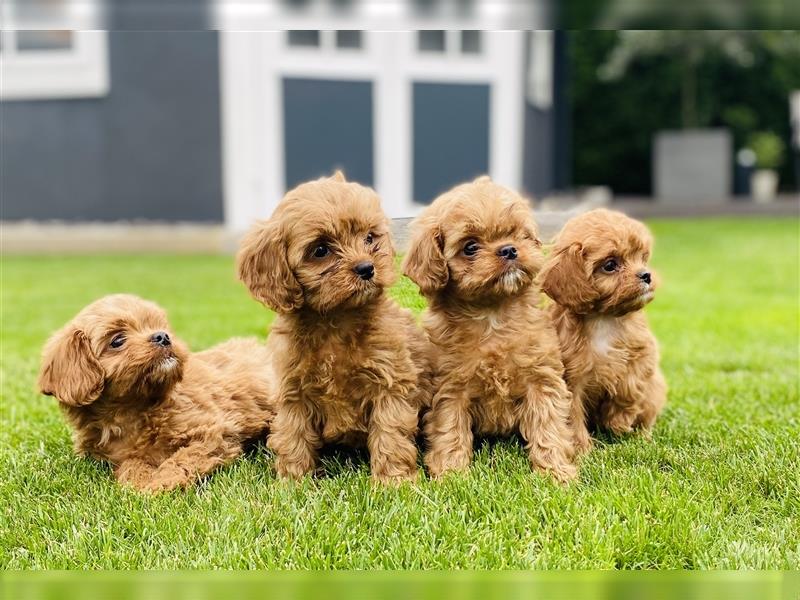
439 463
620 423
287 469
165 483
394 479
563 473
583 442
134 473
556 464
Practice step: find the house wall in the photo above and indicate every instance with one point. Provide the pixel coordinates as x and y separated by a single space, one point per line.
149 150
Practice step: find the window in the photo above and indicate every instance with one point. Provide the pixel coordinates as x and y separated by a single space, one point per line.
451 42
471 41
347 38
308 38
343 39
431 41
43 40
41 64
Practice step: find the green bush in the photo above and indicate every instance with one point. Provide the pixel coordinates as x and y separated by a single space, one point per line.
769 149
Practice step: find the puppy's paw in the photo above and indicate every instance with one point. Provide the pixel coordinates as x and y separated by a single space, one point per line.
556 464
440 464
583 442
134 473
563 473
287 469
169 476
395 479
620 424
165 483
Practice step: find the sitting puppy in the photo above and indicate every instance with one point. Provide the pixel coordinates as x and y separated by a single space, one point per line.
138 399
474 254
353 366
597 274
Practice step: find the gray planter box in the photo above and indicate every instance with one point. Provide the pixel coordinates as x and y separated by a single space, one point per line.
693 166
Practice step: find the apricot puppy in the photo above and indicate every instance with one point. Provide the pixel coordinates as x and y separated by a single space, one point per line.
137 398
597 274
474 254
353 366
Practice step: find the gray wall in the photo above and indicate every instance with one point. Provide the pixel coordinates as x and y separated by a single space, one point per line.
150 149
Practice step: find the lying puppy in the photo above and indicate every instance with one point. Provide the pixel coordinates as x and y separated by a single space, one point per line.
353 366
474 254
138 399
597 274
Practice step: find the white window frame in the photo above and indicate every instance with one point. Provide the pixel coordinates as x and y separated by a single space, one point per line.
80 71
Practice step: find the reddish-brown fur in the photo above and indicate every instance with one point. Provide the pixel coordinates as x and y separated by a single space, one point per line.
353 366
610 354
159 414
499 366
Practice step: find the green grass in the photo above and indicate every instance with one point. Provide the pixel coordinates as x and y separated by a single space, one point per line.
718 486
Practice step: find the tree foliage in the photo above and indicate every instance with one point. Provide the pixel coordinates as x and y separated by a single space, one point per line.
626 86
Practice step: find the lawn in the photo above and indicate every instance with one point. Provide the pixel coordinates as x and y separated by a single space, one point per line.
718 487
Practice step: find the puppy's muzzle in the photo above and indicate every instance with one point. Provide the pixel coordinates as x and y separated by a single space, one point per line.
508 252
365 270
161 338
644 276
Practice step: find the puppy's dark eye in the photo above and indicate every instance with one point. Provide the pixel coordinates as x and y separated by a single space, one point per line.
321 251
470 248
117 341
610 265
369 239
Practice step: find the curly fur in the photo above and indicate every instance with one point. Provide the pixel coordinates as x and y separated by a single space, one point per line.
499 370
160 415
354 368
610 354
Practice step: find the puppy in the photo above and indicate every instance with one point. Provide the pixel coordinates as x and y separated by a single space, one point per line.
353 366
137 398
474 254
597 274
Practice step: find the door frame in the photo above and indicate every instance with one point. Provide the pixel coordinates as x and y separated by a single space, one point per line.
253 63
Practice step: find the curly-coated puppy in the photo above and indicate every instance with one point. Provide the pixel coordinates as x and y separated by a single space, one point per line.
138 399
597 274
353 366
474 254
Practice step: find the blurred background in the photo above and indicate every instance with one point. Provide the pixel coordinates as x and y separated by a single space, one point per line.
143 136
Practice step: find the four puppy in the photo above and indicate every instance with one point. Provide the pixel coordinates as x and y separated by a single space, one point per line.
597 274
474 254
345 364
352 366
137 398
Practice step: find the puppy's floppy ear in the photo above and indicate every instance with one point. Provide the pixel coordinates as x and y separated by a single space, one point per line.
262 265
564 279
425 263
70 370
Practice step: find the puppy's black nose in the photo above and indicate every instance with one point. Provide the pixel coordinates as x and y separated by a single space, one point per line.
508 252
365 270
644 276
160 338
